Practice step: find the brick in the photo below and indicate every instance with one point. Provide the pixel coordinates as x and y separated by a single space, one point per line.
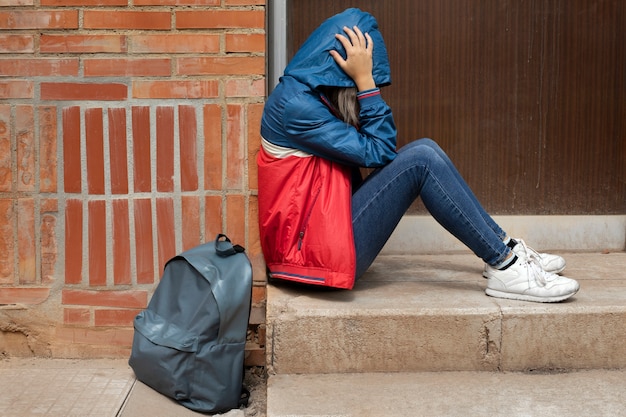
77 316
49 205
47 148
26 250
245 87
97 337
259 294
100 3
39 19
165 149
144 251
97 234
105 298
117 151
26 67
176 89
220 19
176 2
141 148
48 247
31 295
255 112
7 234
236 218
6 165
245 2
72 171
73 241
25 143
166 230
17 44
254 356
6 3
94 139
254 241
191 231
121 243
235 146
257 315
118 20
259 272
212 147
148 67
82 43
112 318
245 42
254 65
188 132
198 43
83 91
16 89
212 216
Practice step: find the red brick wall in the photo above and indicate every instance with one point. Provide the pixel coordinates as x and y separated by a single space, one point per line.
128 132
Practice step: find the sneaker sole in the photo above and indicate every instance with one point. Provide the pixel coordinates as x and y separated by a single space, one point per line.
526 297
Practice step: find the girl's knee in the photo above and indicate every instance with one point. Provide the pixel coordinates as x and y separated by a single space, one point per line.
424 142
421 145
422 152
429 142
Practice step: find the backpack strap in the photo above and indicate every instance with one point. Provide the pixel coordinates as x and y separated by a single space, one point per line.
225 247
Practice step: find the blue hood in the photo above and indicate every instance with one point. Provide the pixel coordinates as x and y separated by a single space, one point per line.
314 66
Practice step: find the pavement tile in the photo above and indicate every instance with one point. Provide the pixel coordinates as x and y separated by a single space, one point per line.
63 387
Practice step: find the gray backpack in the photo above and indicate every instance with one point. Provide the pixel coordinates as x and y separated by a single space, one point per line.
189 343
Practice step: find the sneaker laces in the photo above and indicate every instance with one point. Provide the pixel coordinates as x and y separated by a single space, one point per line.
530 252
532 259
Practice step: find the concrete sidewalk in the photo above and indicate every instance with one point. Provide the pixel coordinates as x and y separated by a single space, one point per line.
36 387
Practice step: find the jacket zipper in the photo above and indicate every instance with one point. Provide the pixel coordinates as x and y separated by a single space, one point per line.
306 219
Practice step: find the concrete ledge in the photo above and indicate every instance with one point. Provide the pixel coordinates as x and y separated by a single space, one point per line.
422 234
418 313
586 393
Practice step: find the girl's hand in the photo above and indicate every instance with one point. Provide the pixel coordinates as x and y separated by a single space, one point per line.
358 63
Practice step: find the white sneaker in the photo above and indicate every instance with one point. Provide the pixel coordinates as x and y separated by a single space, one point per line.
548 262
525 280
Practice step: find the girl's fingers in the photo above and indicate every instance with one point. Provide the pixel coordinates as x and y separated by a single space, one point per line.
359 35
356 37
338 58
344 41
370 42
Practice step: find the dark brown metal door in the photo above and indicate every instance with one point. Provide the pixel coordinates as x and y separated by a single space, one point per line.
527 97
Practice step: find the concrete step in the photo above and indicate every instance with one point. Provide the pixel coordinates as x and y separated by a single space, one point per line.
425 313
493 394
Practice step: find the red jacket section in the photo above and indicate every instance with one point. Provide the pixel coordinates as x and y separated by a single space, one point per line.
305 220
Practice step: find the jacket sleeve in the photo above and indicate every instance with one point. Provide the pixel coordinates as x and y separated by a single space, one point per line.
312 127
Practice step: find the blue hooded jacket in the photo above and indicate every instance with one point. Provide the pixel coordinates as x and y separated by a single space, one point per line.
295 116
308 156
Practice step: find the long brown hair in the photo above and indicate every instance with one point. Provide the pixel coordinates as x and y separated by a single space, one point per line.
345 102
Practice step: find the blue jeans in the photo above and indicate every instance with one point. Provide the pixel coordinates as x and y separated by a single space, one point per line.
421 168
